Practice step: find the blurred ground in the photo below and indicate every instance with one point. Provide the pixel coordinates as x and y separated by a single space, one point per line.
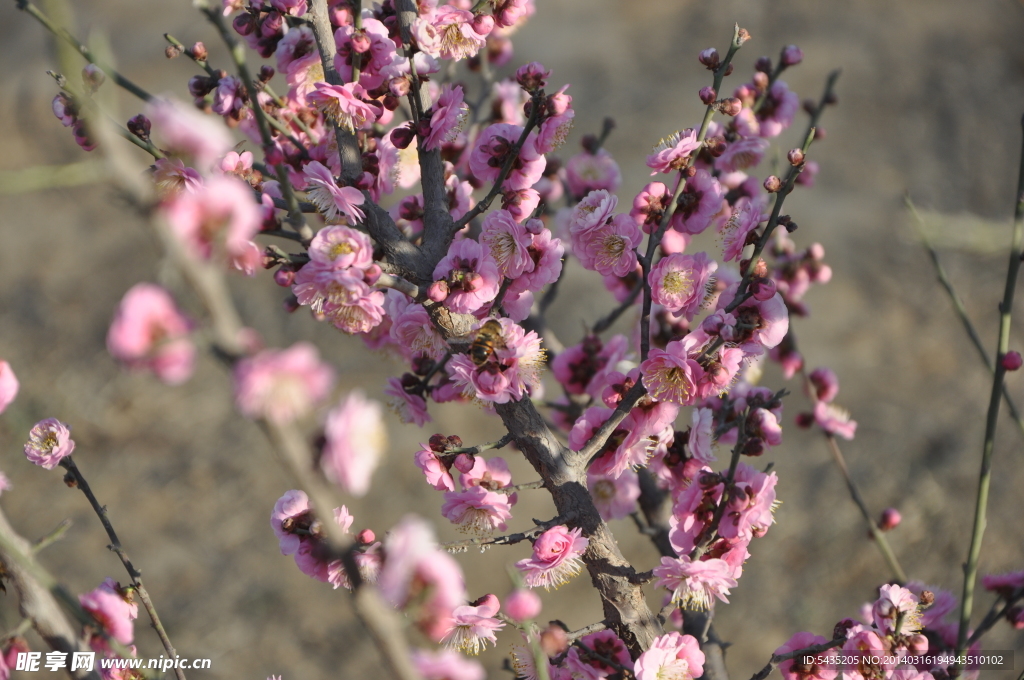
930 101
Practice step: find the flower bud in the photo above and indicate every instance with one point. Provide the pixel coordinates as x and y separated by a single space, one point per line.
198 52
483 24
65 109
791 55
742 35
140 126
437 443
200 86
522 605
291 304
399 87
93 76
1011 360
709 58
366 537
729 70
763 289
819 133
554 640
533 76
402 137
172 51
772 184
1015 615
438 291
360 42
753 447
804 420
810 106
716 146
731 106
464 462
763 65
795 157
708 95
825 384
371 274
284 276
244 24
272 26
266 73
891 519
761 81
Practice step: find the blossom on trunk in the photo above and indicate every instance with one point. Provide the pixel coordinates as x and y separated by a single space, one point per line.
555 559
671 657
694 585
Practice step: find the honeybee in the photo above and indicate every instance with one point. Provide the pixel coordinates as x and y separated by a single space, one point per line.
487 339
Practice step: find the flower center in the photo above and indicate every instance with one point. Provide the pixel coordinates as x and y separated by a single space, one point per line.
678 283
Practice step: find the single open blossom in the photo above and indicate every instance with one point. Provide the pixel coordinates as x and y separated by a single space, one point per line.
150 332
591 213
446 664
343 105
749 510
778 110
477 510
282 385
508 373
471 275
746 216
591 172
329 198
697 203
112 609
48 442
412 329
8 385
672 374
695 584
614 497
673 152
410 407
461 36
493 149
895 602
342 296
555 129
680 282
355 442
1004 584
172 176
834 420
434 470
449 116
522 605
222 216
509 243
473 627
556 558
671 657
229 97
609 248
340 247
181 129
792 669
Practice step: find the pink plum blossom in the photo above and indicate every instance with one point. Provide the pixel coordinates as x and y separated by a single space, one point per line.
341 247
746 215
409 406
896 602
477 510
492 150
472 627
702 435
172 176
742 154
8 386
282 385
48 442
412 329
508 374
458 32
471 274
578 664
509 243
591 213
609 248
586 172
555 129
556 558
695 584
1004 584
834 420
181 129
697 203
778 110
680 282
150 332
446 664
329 198
825 384
112 609
749 510
434 470
791 670
673 656
672 374
448 118
673 152
522 604
546 253
343 105
222 216
490 473
614 497
355 442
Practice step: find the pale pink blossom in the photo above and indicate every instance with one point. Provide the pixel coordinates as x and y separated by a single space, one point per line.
330 199
112 609
591 213
522 605
695 584
477 510
458 33
746 215
672 374
896 602
409 406
697 203
471 275
609 248
472 627
449 116
508 242
340 247
490 473
702 435
171 176
446 664
520 204
944 602
835 420
680 282
297 43
493 148
791 670
671 657
555 559
742 154
351 305
614 497
749 510
379 62
778 110
825 383
650 204
282 385
49 441
222 216
412 329
509 373
580 665
673 152
586 172
229 97
508 99
8 385
434 470
293 506
181 129
555 129
355 442
343 105
150 332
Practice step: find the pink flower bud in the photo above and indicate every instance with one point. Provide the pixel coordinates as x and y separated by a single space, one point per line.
795 156
533 76
816 251
792 55
360 42
709 58
708 95
483 24
371 274
891 519
284 276
731 106
93 76
65 109
473 282
464 462
522 605
1015 615
244 24
198 52
291 304
438 291
399 87
763 289
366 537
266 71
553 640
772 184
761 80
1012 360
763 65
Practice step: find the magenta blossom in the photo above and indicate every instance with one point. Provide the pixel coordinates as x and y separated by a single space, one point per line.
8 386
329 198
700 199
355 442
340 247
609 248
477 510
282 385
591 213
673 152
508 373
672 374
150 332
220 217
112 609
434 470
412 329
680 282
509 243
672 656
409 406
1004 584
590 172
835 420
695 584
492 150
556 558
473 627
470 274
448 118
48 442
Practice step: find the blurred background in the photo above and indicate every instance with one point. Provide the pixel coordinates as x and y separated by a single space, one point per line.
930 102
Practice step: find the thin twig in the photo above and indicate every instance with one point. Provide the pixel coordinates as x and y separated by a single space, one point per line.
509 539
473 450
586 630
995 613
606 322
55 535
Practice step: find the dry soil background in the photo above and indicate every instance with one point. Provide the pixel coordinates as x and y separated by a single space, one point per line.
930 101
